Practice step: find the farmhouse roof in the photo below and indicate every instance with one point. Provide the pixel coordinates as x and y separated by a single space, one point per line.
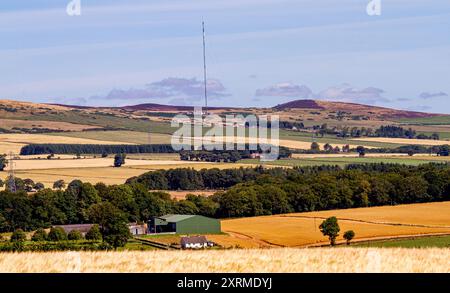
78 227
193 240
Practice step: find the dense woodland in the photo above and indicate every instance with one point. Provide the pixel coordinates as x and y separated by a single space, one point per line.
246 192
39 149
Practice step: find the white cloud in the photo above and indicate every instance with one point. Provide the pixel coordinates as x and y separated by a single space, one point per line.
343 93
428 95
181 91
287 89
348 93
189 88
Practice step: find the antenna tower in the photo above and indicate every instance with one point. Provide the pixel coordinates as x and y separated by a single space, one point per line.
11 178
204 69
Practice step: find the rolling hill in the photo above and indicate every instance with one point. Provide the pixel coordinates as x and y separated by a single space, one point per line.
352 108
27 117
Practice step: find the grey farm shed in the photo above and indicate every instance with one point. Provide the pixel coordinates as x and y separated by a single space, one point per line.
184 224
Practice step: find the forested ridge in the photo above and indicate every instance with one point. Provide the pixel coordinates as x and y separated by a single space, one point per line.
246 192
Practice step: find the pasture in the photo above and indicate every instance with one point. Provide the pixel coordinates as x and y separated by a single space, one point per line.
415 242
123 136
317 160
289 260
403 141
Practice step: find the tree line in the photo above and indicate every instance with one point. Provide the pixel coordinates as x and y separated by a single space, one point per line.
104 150
440 150
392 131
39 149
229 155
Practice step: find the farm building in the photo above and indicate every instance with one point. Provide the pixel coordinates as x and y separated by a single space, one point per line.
82 228
195 242
137 229
184 224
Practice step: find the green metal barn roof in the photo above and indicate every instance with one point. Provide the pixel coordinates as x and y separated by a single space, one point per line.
176 218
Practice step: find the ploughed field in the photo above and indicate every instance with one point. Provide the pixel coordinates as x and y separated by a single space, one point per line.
339 259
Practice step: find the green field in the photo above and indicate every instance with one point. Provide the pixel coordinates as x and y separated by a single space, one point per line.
120 136
133 244
343 161
438 120
419 242
303 136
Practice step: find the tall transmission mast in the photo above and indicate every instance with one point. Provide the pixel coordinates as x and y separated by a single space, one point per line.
204 69
11 178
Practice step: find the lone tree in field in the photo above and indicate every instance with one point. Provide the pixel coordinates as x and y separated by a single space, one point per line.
119 160
3 162
330 228
348 236
315 147
361 151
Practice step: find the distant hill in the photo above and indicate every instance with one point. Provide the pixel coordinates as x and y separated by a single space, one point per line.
160 107
352 108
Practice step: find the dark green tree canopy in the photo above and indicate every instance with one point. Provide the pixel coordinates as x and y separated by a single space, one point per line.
330 228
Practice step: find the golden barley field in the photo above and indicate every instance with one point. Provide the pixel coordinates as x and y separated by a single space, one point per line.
302 229
290 260
111 175
90 163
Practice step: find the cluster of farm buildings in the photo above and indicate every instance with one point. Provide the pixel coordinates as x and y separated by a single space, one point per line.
168 224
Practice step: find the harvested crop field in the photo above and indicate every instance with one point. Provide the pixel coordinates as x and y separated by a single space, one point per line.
287 260
90 163
302 229
53 125
14 142
111 175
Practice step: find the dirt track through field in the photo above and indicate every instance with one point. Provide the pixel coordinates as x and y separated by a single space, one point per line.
371 222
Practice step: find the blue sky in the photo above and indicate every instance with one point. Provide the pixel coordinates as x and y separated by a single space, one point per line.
259 52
